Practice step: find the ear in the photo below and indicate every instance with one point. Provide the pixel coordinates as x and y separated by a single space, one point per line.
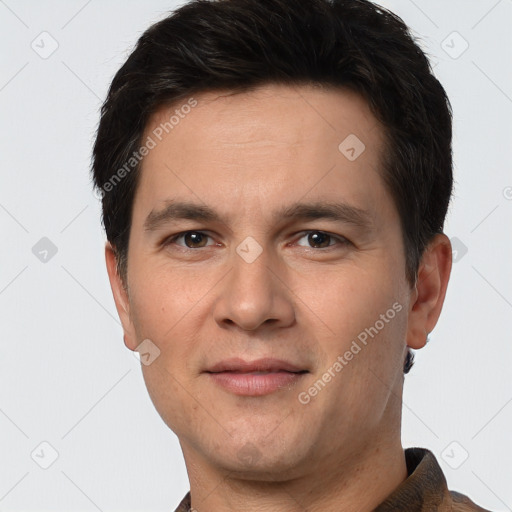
428 295
120 297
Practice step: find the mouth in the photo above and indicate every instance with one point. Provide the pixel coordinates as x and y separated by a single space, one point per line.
255 378
264 365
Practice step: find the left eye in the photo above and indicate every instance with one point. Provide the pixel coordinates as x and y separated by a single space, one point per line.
321 240
192 239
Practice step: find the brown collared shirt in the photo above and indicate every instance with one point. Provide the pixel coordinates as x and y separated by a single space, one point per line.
424 490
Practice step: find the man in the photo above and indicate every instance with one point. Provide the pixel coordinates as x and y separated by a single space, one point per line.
275 176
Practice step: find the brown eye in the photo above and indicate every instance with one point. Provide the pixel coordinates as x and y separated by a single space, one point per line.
191 240
195 239
318 239
322 240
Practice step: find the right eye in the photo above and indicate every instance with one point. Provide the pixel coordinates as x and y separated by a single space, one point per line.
191 239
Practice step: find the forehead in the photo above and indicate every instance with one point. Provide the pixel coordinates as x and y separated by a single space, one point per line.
264 144
283 113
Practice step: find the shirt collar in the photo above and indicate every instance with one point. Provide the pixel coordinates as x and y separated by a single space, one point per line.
424 489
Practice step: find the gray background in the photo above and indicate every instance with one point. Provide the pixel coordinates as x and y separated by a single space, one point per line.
65 376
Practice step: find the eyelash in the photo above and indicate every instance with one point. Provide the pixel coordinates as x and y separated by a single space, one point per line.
340 239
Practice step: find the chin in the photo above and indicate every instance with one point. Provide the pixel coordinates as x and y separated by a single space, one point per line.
263 459
263 469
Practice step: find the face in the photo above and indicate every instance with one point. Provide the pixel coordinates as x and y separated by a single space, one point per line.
266 265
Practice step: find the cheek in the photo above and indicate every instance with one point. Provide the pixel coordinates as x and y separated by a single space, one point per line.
345 301
174 399
364 354
162 310
163 298
160 313
366 319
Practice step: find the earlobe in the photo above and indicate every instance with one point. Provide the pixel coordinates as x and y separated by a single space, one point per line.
417 339
121 298
429 293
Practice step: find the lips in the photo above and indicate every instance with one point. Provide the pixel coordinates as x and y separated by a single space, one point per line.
265 365
255 378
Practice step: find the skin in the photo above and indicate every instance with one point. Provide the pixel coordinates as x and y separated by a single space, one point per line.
247 155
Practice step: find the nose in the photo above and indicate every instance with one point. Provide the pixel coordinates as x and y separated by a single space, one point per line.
254 295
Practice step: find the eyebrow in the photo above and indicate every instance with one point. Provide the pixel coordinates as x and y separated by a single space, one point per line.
184 210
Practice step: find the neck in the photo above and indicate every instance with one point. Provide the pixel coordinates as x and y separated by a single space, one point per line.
359 482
